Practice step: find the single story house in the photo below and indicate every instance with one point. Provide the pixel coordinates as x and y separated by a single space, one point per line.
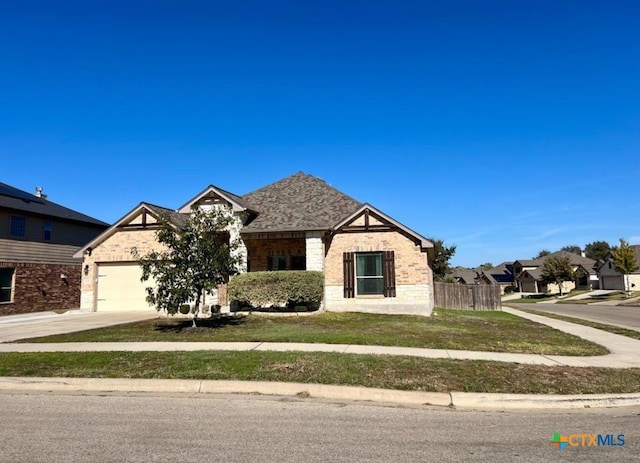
371 262
38 239
464 275
610 278
501 275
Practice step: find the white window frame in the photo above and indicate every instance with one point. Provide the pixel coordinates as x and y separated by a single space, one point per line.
10 288
363 277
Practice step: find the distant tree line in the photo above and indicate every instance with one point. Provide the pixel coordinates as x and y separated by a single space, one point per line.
595 250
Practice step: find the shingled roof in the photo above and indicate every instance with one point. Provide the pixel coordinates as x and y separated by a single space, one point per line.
174 217
575 259
299 202
21 201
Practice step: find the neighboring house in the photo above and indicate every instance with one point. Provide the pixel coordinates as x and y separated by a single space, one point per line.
464 275
38 239
528 274
610 278
370 261
501 275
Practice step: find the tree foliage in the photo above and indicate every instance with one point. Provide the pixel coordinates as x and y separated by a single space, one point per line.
624 260
597 250
195 259
557 269
443 255
486 266
574 248
543 253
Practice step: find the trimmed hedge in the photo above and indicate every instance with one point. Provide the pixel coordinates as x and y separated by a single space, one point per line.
279 289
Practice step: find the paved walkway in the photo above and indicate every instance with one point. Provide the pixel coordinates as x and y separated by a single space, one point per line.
624 352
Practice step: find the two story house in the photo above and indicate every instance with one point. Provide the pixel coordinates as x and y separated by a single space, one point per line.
528 274
37 241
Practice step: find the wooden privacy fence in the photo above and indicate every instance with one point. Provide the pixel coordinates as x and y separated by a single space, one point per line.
467 297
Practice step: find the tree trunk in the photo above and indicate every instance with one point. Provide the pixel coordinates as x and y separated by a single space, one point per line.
626 284
196 309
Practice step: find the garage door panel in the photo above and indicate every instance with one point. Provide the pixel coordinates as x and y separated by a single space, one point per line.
613 282
120 289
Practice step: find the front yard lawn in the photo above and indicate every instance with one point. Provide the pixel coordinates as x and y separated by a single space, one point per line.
380 371
445 329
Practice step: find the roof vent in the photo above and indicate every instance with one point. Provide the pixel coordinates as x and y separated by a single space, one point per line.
39 193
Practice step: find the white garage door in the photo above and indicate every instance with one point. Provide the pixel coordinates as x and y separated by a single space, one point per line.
120 289
612 283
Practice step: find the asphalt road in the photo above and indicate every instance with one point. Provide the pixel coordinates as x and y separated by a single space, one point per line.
61 428
626 317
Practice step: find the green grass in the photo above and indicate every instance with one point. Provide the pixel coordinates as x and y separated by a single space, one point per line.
389 372
600 326
446 329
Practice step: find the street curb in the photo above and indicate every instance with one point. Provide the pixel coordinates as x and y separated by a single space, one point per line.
542 401
317 391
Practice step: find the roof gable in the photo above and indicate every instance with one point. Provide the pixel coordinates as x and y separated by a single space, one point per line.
378 220
212 194
142 216
299 202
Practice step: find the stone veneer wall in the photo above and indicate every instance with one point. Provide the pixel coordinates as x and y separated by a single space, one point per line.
39 287
315 251
414 278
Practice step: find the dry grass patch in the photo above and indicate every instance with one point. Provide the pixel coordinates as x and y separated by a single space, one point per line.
389 372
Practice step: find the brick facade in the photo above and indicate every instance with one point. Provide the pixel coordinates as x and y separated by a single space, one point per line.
414 277
39 287
260 249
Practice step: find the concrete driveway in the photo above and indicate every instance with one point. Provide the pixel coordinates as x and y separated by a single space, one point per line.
625 317
14 327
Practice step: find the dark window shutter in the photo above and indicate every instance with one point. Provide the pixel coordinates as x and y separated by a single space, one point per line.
348 269
389 273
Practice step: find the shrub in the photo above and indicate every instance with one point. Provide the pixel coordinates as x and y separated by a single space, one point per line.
185 309
509 290
290 288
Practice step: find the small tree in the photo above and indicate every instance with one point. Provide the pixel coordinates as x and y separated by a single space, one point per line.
597 250
197 257
574 248
557 269
543 253
443 254
486 266
624 260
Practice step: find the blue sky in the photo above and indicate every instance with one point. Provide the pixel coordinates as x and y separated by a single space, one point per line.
503 127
